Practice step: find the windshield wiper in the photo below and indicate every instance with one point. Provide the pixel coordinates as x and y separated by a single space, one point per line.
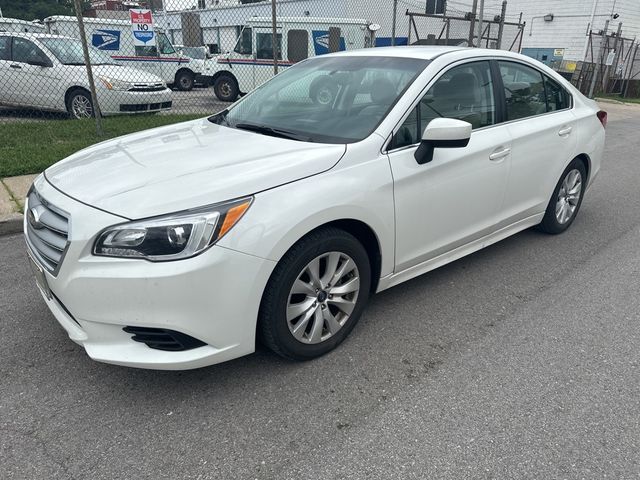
274 132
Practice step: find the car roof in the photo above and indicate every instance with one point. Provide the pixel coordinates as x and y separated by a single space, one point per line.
32 35
424 52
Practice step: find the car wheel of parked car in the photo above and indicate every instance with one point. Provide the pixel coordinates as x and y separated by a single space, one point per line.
79 104
315 295
323 90
566 199
226 88
184 81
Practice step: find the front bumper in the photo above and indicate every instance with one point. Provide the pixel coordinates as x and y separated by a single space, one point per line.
213 297
117 102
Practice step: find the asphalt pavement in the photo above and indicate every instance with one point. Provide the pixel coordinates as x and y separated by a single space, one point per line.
520 361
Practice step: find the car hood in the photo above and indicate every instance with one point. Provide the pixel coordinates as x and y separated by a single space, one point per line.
124 74
184 166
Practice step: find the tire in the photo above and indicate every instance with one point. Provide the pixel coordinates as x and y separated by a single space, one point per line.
283 311
185 81
566 199
79 104
226 88
323 90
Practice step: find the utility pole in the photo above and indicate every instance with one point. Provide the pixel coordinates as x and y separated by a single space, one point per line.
480 19
274 38
605 80
393 23
87 62
503 14
596 68
472 27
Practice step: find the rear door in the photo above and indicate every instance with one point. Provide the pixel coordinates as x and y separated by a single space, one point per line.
541 124
263 44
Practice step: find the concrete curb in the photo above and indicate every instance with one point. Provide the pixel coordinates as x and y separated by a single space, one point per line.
11 224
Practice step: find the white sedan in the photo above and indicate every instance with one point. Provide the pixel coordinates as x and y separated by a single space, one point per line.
278 218
47 72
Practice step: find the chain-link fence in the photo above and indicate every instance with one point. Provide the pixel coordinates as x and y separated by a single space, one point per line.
186 58
611 65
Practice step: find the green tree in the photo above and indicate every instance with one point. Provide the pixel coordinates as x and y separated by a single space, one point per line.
35 9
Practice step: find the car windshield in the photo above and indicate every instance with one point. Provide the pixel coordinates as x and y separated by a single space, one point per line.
68 51
327 100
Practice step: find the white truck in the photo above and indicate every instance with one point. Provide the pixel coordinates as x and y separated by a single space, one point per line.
251 62
115 38
15 25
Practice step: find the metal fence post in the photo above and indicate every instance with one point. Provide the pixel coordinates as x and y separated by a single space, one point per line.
393 23
87 61
274 38
480 20
607 69
596 69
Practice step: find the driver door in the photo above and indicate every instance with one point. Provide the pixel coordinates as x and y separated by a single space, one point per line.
457 197
35 85
263 65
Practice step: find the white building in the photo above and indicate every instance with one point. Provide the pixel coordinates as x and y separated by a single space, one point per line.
555 29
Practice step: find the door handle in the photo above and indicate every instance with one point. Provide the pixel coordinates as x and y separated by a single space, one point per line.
564 131
499 153
16 66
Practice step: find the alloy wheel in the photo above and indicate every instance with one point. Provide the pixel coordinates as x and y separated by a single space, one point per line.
569 196
81 107
323 297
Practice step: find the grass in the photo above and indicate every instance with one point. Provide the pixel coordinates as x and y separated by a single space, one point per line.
32 146
619 98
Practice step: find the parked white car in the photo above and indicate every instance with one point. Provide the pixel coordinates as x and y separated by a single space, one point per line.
47 72
277 218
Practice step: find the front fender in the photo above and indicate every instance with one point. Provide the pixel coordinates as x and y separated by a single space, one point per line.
281 216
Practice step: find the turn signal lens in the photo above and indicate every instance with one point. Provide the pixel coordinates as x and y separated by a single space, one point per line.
231 218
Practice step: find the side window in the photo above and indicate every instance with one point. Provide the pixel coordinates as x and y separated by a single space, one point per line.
25 51
464 93
297 45
165 45
264 46
245 42
523 89
146 51
5 48
557 97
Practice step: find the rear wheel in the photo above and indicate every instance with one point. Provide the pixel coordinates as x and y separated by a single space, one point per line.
226 88
315 295
79 104
184 81
566 199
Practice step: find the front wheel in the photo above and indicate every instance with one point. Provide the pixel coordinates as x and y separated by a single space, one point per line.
315 295
185 81
226 88
80 105
566 199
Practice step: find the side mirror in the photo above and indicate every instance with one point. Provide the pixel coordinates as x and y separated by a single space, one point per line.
442 133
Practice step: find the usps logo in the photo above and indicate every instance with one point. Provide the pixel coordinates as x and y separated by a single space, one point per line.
321 42
106 39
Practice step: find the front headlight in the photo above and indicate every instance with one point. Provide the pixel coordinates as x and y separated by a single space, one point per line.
171 237
118 85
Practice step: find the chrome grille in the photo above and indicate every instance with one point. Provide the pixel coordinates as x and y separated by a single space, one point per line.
47 231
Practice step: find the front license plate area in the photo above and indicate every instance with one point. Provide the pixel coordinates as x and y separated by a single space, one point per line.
41 279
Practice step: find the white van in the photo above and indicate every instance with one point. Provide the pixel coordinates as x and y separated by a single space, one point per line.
114 37
15 25
250 64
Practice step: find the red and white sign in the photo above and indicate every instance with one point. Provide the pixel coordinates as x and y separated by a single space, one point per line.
142 26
